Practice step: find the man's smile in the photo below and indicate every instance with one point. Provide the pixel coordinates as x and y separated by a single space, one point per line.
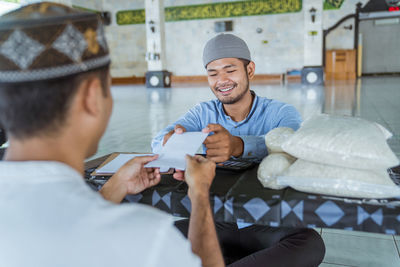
226 90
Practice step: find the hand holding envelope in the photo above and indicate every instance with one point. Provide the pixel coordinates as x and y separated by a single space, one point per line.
173 153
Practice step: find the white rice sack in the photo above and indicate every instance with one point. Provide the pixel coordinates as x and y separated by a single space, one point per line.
276 137
342 141
385 131
338 181
272 166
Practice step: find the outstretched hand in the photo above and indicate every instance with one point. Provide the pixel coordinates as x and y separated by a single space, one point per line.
131 178
178 129
199 174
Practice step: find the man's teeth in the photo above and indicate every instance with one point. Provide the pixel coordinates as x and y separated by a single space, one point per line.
226 89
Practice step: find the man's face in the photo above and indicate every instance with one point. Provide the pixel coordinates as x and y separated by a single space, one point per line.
228 79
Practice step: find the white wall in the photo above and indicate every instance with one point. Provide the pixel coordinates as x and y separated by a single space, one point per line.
312 32
284 49
127 42
283 33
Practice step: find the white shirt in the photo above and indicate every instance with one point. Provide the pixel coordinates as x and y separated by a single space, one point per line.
50 217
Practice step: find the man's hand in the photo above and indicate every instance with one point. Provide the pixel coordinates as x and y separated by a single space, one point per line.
179 129
199 175
131 178
222 145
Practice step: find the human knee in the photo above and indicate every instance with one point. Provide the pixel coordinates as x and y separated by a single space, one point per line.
314 246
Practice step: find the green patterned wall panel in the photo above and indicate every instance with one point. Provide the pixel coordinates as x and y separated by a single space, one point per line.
11 1
216 10
333 4
127 17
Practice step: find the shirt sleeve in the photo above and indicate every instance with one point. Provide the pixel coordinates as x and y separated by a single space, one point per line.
287 116
254 147
175 250
191 121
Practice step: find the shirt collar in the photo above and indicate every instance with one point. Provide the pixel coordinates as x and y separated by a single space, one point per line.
252 110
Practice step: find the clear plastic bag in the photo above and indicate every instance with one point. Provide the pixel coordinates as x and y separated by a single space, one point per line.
338 181
272 166
342 141
275 138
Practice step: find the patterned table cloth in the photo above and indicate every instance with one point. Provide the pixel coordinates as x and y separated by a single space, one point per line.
240 197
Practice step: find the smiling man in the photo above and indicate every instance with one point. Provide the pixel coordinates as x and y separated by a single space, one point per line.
238 120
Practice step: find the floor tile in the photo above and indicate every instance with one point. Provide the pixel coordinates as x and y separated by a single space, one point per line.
318 230
397 242
356 233
360 251
140 113
333 265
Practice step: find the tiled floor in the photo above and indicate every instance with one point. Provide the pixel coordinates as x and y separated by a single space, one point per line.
139 113
352 248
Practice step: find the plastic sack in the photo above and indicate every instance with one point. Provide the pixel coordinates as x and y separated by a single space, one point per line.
275 138
338 181
385 131
342 141
272 166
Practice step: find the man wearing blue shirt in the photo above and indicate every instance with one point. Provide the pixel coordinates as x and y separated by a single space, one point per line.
238 117
237 122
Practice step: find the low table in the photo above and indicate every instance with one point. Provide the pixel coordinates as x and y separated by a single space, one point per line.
240 197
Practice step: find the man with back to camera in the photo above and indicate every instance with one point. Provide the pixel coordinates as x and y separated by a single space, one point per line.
55 103
238 121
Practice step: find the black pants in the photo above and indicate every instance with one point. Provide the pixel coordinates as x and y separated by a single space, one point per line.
258 245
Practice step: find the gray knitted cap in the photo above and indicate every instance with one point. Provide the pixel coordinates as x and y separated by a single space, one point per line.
223 46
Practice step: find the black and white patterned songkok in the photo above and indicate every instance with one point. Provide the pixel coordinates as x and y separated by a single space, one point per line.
46 40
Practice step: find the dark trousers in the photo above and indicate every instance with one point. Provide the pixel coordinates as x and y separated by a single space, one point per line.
258 245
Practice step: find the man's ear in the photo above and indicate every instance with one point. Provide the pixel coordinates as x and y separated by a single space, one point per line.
251 68
92 94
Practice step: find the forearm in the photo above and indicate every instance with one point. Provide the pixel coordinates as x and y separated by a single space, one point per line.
238 146
157 142
190 121
113 192
202 234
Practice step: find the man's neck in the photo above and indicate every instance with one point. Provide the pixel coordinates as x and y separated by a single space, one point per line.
45 149
239 110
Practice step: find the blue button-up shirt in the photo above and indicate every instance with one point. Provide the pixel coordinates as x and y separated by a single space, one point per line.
265 115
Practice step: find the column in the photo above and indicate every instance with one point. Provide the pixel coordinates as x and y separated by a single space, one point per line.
312 72
156 76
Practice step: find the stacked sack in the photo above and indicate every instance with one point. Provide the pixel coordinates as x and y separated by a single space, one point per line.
277 160
337 155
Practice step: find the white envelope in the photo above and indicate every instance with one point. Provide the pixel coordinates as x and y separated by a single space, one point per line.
173 153
114 165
